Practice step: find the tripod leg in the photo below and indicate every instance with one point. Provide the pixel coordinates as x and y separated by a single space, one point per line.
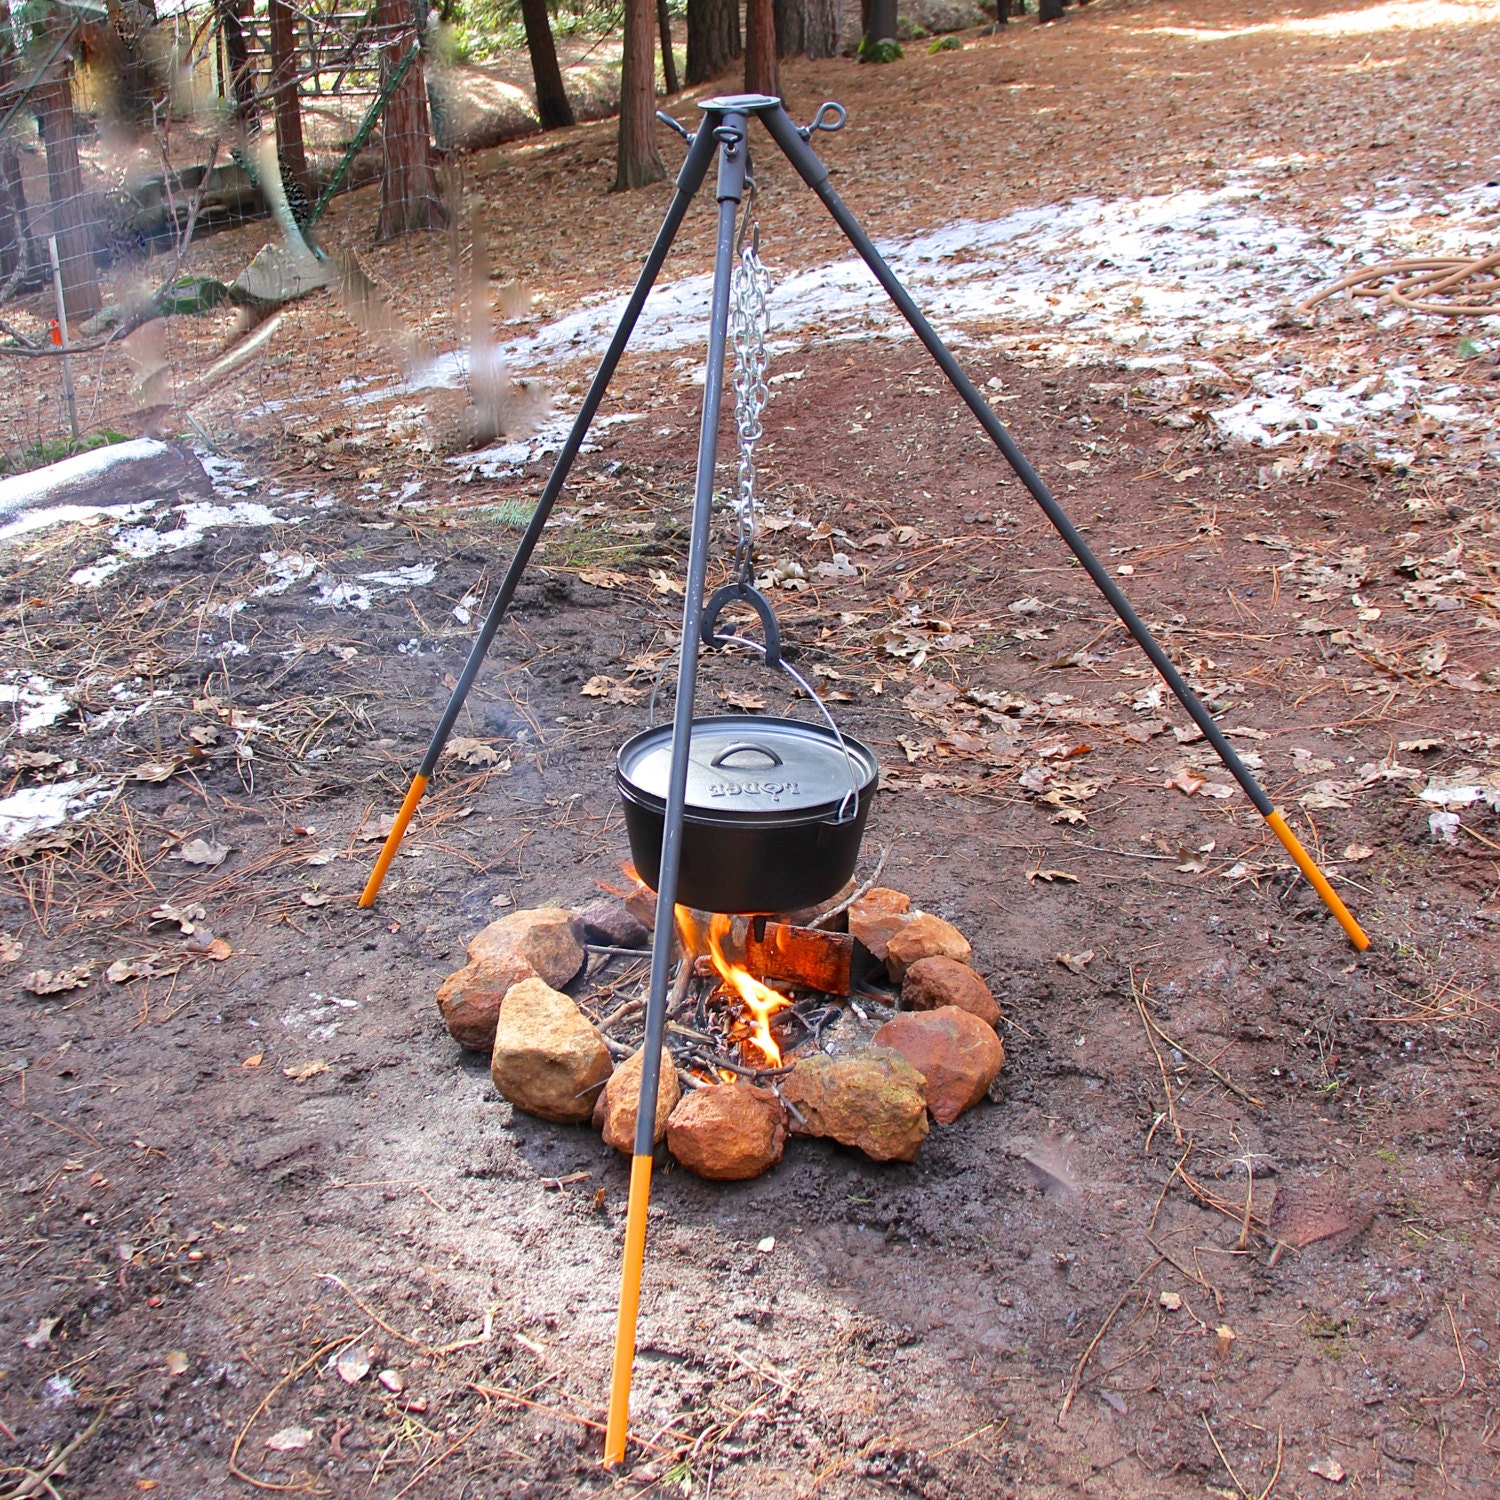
815 175
730 190
689 179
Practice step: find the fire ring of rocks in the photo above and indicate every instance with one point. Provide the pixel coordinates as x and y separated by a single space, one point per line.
855 1021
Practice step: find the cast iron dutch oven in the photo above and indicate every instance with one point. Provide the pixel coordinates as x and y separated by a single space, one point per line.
775 811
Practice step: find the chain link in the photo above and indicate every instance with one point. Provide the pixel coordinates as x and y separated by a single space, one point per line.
750 289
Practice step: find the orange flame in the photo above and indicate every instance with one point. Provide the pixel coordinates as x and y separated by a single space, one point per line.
760 1001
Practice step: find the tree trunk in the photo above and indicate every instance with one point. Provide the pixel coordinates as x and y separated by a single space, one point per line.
713 38
409 197
760 48
791 27
637 161
67 217
880 25
291 156
1048 10
668 61
237 59
812 28
1002 12
552 106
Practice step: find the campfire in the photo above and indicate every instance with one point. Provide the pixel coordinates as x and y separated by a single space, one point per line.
858 1023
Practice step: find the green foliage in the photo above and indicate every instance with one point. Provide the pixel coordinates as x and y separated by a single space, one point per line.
39 454
1468 349
946 44
883 51
486 28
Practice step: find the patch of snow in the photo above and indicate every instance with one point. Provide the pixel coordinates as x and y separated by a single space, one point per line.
25 491
283 569
34 808
32 521
38 702
197 517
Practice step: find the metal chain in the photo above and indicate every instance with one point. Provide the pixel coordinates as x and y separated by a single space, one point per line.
750 289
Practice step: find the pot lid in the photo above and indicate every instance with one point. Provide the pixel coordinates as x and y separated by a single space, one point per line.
742 763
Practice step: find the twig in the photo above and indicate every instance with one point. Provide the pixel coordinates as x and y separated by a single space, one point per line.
1162 1196
265 1401
38 1479
1094 1342
1195 1276
1228 1082
1265 1494
1161 1063
826 917
1244 1239
1463 1364
1217 1449
429 1350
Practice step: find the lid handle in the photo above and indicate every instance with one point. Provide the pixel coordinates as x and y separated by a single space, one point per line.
744 747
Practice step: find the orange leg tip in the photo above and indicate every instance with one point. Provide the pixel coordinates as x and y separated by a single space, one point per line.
616 1432
1318 880
392 842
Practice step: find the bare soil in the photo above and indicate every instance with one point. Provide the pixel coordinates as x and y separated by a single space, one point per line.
210 1217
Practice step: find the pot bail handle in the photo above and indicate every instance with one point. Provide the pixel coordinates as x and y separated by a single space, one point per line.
746 594
744 747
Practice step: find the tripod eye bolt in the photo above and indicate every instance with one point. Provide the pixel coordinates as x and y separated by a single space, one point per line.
837 115
676 125
729 137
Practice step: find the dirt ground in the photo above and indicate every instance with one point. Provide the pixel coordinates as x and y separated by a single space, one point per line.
220 1176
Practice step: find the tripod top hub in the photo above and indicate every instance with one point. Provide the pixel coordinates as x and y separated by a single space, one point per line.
739 104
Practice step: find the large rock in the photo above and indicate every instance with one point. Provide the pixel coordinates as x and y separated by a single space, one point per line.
932 983
872 1099
549 1059
921 936
619 1102
140 470
546 944
877 916
957 1055
728 1131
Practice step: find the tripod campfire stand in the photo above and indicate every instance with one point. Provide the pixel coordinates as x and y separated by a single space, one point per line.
723 133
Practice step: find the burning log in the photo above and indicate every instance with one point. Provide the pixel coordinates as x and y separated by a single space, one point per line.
832 962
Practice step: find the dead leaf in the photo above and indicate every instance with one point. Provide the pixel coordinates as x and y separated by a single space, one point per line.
1052 876
217 951
301 1072
10 948
315 898
1419 745
370 832
204 852
1328 1468
41 1335
1219 790
353 1365
611 691
745 702
122 970
392 1381
31 760
1171 1301
48 982
1184 780
1076 963
186 917
1224 1336
253 1061
177 1362
663 583
155 770
1357 852
604 578
289 1439
322 857
473 752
